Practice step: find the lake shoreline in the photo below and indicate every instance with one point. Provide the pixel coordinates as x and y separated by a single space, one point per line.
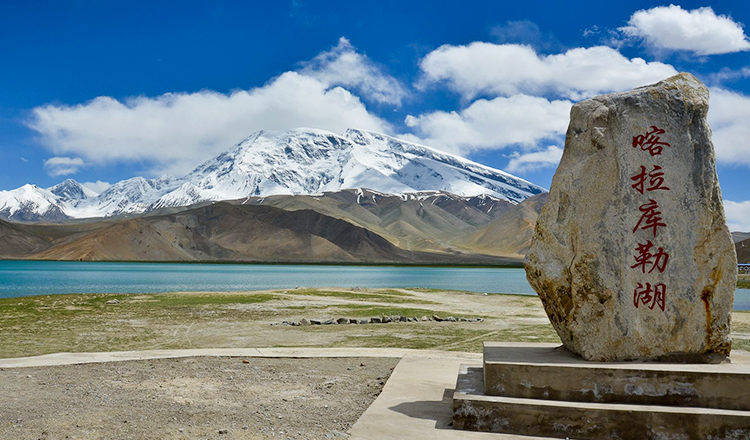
510 265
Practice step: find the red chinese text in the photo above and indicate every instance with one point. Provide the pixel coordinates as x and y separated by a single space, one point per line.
650 218
650 297
651 141
647 256
655 180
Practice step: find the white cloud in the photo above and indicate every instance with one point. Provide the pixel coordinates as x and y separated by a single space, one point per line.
63 166
490 124
509 69
728 116
700 31
344 66
23 159
548 158
97 187
178 131
738 215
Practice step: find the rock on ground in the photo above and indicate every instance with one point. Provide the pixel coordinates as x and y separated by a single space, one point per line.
631 255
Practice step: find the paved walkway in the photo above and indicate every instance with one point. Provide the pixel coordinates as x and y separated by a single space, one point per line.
416 402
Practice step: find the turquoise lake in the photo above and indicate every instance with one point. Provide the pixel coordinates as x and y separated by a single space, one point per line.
26 278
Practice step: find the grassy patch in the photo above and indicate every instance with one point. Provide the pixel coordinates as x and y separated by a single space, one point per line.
741 344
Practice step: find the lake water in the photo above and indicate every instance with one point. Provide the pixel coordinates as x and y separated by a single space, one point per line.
26 278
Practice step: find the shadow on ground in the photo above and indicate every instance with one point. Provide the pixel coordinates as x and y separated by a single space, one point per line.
441 412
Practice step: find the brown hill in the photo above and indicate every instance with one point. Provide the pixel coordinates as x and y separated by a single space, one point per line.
509 234
226 232
426 223
222 232
17 239
743 251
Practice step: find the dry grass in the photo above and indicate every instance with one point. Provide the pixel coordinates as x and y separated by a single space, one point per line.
86 323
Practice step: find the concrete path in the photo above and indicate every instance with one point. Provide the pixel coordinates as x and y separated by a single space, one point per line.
416 402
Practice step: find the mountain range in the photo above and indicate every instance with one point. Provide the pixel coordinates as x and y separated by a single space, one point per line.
268 163
301 195
349 226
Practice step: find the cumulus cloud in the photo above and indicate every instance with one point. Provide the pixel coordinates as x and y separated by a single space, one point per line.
738 215
519 120
536 160
728 115
344 66
63 166
97 187
700 30
508 69
178 131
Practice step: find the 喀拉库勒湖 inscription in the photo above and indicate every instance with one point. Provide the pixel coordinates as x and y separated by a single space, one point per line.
631 255
648 257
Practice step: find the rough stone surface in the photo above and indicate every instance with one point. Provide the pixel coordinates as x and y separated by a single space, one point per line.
582 261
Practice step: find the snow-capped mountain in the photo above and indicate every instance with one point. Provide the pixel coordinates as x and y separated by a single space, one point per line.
299 161
31 203
72 191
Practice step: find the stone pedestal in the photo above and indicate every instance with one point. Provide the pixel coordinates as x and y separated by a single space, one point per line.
543 390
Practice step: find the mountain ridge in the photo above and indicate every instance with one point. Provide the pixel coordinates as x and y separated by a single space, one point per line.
298 161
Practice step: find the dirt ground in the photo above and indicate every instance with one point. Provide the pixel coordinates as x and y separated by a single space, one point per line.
191 398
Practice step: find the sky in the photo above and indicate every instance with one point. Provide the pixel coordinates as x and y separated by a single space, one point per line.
101 91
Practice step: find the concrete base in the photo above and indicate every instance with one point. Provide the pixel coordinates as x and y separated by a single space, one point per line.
542 390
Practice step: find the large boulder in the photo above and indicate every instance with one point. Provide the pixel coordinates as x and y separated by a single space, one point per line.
631 256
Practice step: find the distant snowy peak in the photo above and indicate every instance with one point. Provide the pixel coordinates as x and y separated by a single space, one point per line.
31 203
299 161
70 190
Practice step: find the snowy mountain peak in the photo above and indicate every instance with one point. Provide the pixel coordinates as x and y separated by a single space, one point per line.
70 190
298 161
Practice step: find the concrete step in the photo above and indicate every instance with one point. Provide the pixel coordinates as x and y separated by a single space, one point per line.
547 371
472 410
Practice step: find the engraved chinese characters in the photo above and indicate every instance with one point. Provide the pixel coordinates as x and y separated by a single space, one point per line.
651 219
631 256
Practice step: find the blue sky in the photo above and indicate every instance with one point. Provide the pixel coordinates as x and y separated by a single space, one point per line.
101 91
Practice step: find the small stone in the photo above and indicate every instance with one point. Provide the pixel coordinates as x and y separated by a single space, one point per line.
436 318
342 321
316 321
304 321
402 319
376 320
223 431
329 322
364 321
386 319
425 319
353 321
113 301
245 361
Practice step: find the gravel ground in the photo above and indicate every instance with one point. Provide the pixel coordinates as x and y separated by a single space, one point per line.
191 398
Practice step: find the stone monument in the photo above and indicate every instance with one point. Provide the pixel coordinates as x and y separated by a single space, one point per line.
634 263
631 256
